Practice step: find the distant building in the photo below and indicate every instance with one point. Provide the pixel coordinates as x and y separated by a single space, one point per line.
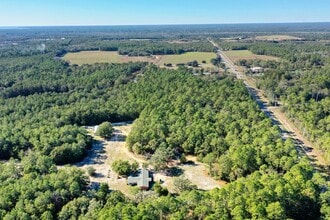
257 69
143 180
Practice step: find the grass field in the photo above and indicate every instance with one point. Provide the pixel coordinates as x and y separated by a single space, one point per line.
277 38
236 55
90 57
187 57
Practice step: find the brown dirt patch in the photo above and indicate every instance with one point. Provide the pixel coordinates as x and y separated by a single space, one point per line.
196 172
278 38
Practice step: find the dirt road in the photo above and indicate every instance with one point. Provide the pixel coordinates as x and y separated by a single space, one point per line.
289 130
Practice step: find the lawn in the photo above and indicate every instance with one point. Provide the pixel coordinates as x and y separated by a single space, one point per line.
236 55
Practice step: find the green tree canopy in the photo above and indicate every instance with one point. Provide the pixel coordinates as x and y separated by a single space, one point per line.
105 130
124 167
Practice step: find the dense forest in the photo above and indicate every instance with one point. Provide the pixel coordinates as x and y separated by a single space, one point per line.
214 119
45 102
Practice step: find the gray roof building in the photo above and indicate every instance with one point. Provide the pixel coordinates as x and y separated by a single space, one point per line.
142 180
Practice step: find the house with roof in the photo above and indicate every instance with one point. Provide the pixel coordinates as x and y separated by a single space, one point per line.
143 180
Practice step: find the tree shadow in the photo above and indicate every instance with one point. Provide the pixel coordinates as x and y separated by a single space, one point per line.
189 163
117 136
95 155
174 171
94 185
99 175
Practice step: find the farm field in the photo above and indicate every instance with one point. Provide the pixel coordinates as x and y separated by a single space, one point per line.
90 57
188 57
236 55
277 38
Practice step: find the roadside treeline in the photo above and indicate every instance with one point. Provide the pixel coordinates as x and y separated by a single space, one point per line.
305 97
301 81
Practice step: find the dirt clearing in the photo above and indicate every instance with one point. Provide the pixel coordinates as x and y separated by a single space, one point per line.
105 152
196 172
278 38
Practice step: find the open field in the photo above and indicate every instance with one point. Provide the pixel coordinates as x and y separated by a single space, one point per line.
90 57
187 57
277 38
236 55
182 41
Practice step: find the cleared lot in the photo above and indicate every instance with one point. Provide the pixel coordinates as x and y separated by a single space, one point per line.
105 152
91 57
236 55
188 57
277 38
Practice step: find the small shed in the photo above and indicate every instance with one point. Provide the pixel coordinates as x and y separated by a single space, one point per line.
95 128
143 180
257 69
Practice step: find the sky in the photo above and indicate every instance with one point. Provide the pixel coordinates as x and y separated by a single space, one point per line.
143 12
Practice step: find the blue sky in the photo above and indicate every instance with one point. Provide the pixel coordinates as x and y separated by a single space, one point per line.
131 12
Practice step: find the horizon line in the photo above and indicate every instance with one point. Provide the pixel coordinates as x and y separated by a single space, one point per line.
104 25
